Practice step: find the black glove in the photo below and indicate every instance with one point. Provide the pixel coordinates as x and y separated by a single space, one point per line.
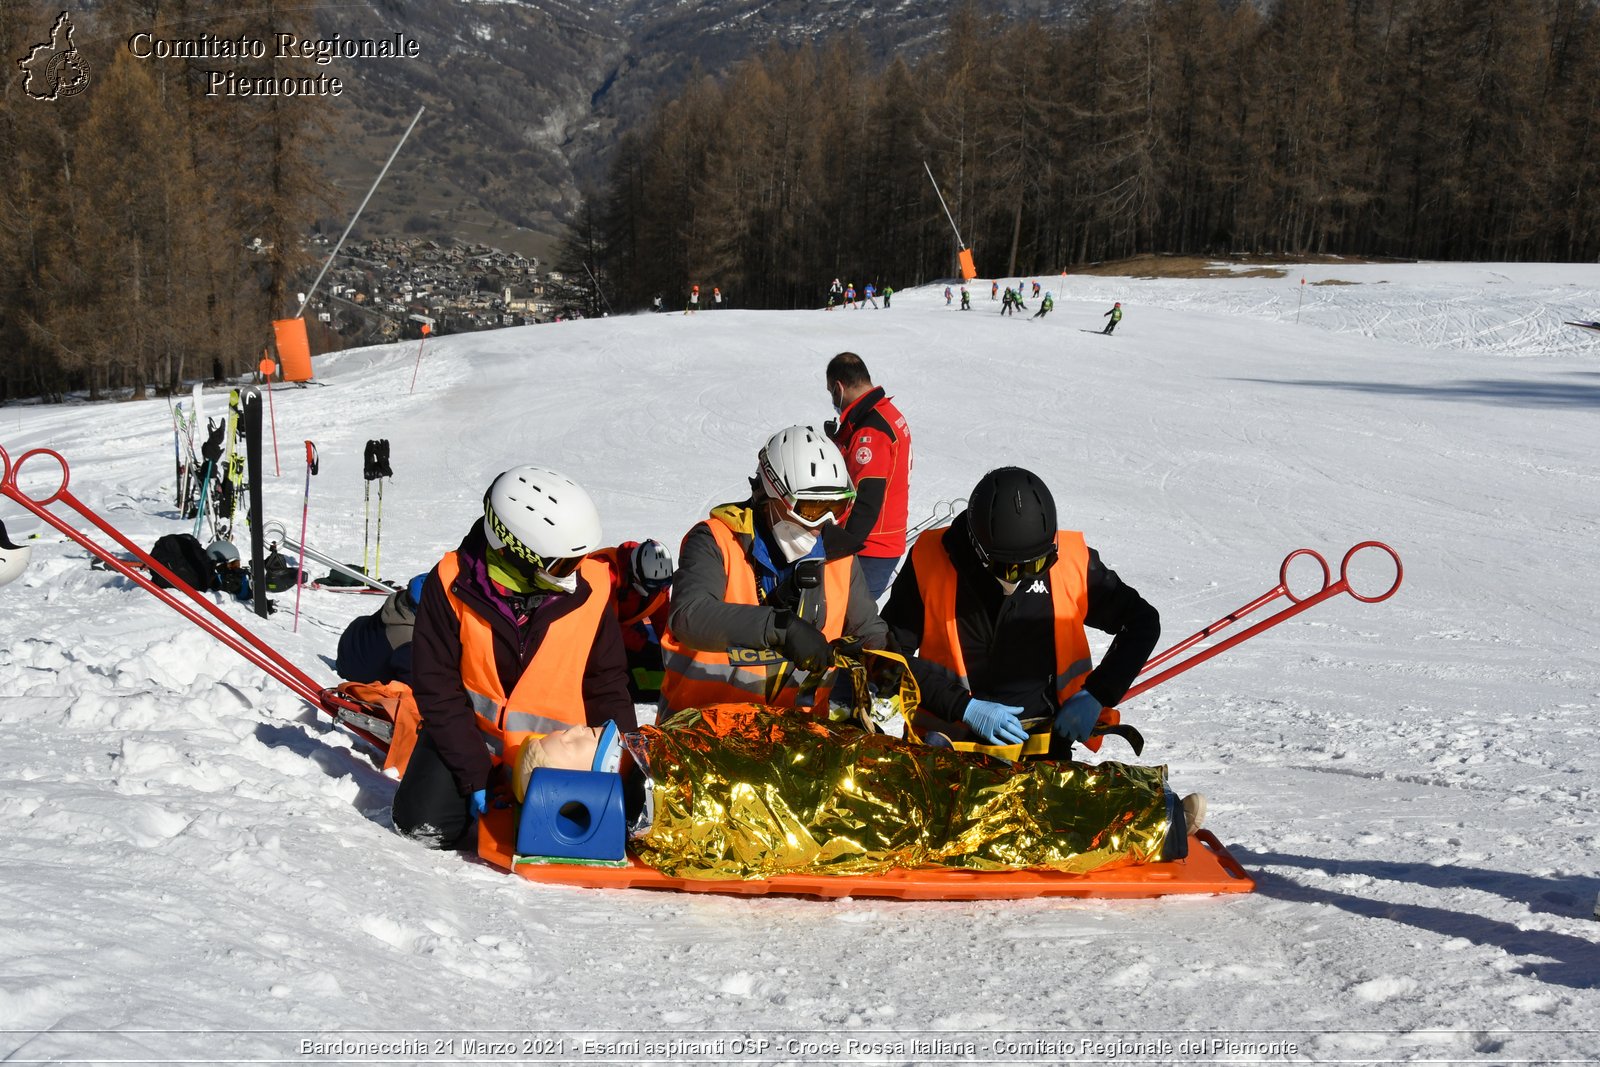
212 449
803 643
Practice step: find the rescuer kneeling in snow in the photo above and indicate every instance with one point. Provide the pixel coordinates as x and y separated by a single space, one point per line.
756 605
514 638
994 606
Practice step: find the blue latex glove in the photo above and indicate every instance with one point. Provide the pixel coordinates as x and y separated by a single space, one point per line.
997 724
480 802
1075 721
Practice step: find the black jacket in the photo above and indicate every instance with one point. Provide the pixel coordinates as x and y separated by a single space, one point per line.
447 715
1008 642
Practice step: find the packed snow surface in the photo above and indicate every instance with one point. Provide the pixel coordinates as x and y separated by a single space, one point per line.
197 866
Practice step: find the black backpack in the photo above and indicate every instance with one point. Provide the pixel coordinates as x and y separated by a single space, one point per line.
279 575
185 557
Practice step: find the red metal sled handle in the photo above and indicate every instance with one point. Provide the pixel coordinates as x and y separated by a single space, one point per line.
1297 605
191 605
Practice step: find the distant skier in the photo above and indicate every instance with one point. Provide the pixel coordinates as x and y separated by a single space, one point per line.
947 296
1036 289
870 293
1008 302
994 290
850 296
888 291
1048 303
1115 314
835 293
966 299
694 301
716 298
655 303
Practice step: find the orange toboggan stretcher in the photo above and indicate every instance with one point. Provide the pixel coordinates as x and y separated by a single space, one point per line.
1208 869
387 722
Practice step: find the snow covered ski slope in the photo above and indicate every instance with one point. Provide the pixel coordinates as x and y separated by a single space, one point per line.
194 865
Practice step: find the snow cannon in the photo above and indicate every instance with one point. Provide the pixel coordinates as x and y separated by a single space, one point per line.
13 557
294 349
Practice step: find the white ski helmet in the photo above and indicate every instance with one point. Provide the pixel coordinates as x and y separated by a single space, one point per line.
13 558
805 470
540 516
651 565
223 552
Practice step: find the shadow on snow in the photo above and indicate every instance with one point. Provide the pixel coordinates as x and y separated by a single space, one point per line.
1573 961
1579 390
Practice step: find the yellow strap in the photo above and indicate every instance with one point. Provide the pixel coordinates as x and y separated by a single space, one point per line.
1035 745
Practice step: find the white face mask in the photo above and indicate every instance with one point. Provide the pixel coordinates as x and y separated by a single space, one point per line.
569 584
795 541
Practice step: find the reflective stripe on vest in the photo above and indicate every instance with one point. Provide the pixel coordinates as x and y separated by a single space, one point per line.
695 678
1069 596
549 695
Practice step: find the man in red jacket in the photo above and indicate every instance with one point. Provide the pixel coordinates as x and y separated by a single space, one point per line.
514 638
876 443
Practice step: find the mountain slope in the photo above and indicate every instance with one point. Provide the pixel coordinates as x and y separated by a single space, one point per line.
187 848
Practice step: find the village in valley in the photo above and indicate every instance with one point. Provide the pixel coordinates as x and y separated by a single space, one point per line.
389 288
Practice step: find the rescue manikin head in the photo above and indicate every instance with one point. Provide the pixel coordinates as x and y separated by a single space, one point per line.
539 525
807 486
576 748
13 558
1011 518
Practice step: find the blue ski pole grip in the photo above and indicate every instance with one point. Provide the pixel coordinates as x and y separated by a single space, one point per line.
573 815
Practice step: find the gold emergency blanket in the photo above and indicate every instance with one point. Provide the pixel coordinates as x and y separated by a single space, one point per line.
744 792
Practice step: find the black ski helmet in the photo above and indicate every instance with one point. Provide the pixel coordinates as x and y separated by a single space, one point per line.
1012 516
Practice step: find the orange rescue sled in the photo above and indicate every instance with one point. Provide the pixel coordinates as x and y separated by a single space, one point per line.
1208 869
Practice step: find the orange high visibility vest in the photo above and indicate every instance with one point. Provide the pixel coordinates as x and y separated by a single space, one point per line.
695 678
1069 595
549 695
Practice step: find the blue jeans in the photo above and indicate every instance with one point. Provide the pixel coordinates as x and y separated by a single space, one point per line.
878 571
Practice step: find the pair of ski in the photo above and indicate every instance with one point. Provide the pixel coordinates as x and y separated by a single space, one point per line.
236 474
215 490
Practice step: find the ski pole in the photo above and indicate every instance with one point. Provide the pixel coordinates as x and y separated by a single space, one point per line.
419 357
266 368
377 548
305 513
205 492
177 458
1298 604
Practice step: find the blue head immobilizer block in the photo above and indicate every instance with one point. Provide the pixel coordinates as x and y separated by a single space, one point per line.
573 815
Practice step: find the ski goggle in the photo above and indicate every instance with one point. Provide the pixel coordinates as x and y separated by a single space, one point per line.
806 510
816 512
1013 572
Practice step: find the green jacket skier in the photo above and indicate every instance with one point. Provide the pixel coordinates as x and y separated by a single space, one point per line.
1116 316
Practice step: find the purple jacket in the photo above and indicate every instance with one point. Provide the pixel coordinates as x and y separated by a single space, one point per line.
447 715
